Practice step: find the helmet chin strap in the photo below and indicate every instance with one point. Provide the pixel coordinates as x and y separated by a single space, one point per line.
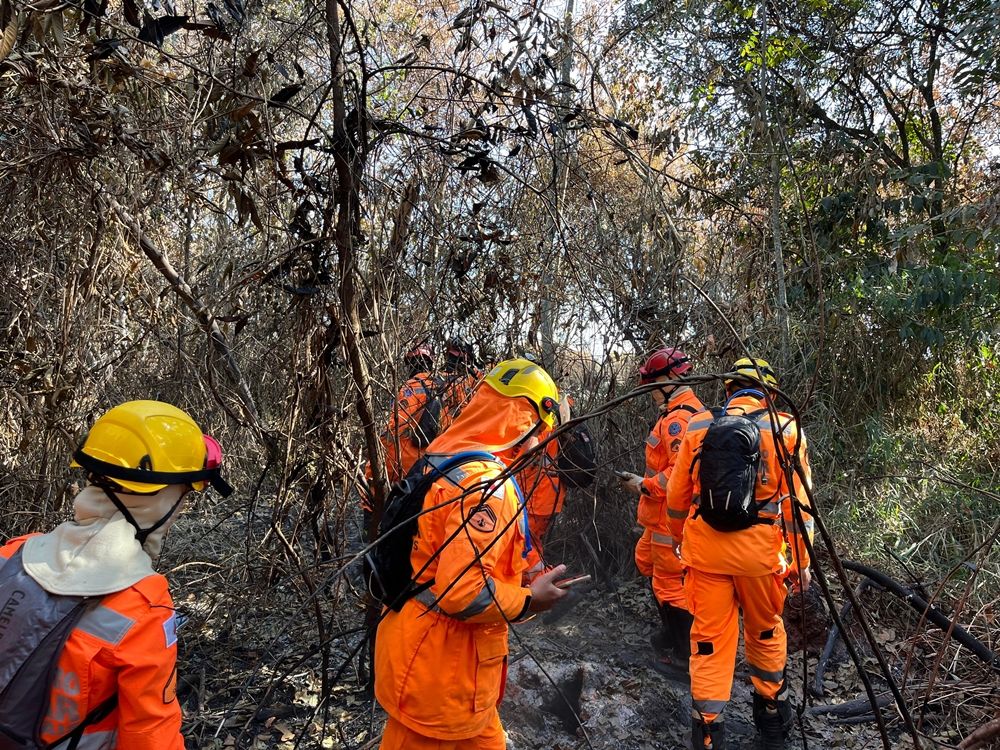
520 442
141 534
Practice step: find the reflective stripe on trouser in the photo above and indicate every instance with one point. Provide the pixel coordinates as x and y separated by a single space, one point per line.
715 601
668 574
644 554
398 737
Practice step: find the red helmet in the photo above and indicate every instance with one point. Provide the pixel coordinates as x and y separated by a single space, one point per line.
459 349
418 352
669 361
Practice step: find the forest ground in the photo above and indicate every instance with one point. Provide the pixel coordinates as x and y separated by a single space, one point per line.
247 683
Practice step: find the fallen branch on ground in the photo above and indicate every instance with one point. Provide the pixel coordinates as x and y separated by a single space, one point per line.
933 614
857 707
983 737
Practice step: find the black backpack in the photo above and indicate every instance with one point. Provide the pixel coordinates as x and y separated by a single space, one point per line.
577 459
440 404
34 627
426 425
388 570
729 462
429 424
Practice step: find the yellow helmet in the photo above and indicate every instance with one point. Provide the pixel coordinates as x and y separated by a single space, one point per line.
753 371
144 446
522 378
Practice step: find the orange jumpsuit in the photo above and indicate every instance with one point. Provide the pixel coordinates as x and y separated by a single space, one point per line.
729 571
401 448
441 662
654 553
545 495
126 645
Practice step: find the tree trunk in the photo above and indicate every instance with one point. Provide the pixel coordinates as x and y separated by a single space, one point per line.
346 196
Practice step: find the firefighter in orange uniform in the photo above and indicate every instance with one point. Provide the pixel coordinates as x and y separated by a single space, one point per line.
545 493
460 379
733 547
654 554
441 661
405 437
115 680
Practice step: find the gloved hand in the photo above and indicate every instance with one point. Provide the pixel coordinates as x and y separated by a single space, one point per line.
631 482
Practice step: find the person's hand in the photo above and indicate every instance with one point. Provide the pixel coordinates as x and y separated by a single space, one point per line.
800 580
544 592
631 482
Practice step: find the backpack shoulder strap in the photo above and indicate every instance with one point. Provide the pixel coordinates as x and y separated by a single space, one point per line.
441 465
682 407
672 409
424 383
717 412
96 716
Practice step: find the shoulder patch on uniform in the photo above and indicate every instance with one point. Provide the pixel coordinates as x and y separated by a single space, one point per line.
483 519
674 428
170 630
675 445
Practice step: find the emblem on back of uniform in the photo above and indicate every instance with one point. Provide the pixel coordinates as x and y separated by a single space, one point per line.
482 518
674 428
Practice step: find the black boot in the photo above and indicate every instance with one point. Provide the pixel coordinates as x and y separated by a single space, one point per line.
663 639
672 644
773 720
680 631
708 735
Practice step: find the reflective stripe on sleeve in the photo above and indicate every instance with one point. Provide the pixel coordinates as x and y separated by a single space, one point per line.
662 539
481 603
478 605
428 599
678 514
106 624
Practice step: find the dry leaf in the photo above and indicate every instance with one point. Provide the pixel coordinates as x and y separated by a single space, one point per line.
9 37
